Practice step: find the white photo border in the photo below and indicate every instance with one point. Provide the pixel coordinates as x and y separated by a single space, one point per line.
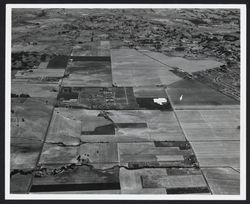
243 40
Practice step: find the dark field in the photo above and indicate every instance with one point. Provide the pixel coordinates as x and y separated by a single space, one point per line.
195 95
58 62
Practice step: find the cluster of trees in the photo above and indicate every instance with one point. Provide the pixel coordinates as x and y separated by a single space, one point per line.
21 95
42 13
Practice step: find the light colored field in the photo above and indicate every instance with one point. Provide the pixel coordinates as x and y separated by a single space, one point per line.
91 153
209 125
158 180
55 154
79 51
127 116
82 79
28 127
148 153
35 90
88 74
99 48
36 115
100 153
67 124
39 73
225 181
28 48
130 180
116 138
149 92
161 126
184 181
182 63
24 155
43 65
62 125
217 153
131 68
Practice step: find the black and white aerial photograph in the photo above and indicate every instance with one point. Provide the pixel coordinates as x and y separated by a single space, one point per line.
129 101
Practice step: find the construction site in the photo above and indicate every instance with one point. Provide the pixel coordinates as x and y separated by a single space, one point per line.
125 101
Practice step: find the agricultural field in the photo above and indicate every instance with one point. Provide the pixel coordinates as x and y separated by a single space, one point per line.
29 120
191 94
88 74
34 89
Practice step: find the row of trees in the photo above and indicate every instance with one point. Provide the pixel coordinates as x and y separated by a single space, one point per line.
21 95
